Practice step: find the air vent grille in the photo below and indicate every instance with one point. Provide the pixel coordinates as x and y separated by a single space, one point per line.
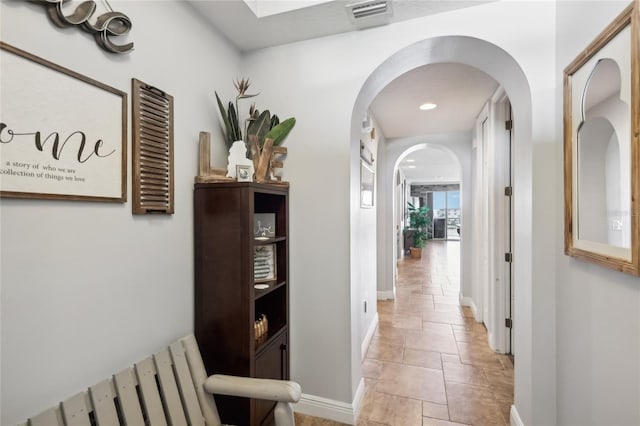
369 8
152 150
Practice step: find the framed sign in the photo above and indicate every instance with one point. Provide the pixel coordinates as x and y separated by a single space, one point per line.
62 135
367 185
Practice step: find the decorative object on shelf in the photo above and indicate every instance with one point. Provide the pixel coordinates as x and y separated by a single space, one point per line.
264 133
238 157
152 127
264 263
264 226
206 173
367 185
244 173
266 156
107 25
601 137
261 327
63 135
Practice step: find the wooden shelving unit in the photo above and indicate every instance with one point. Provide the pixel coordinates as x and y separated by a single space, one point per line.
226 301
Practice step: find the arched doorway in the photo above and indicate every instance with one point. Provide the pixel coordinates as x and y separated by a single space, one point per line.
498 64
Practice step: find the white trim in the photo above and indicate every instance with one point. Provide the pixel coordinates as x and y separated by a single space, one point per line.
467 301
357 399
514 417
386 295
324 408
367 338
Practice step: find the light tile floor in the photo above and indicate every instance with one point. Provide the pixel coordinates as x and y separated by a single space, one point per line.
429 363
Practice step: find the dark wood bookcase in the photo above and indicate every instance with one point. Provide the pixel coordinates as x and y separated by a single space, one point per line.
226 301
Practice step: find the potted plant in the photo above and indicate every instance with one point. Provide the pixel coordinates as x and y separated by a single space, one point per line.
419 222
260 129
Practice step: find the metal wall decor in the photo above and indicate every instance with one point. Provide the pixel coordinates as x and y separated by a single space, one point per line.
110 24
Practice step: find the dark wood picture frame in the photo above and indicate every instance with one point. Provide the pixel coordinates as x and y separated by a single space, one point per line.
621 256
63 135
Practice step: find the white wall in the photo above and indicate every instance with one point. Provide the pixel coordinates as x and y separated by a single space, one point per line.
87 285
328 84
87 288
598 310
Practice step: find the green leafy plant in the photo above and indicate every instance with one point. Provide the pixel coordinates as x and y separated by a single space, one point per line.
263 124
419 221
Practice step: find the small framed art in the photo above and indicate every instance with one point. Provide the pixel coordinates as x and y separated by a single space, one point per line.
243 173
264 263
264 226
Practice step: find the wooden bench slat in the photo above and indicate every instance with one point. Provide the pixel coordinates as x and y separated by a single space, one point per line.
146 373
187 390
169 389
198 376
128 397
75 410
51 417
104 408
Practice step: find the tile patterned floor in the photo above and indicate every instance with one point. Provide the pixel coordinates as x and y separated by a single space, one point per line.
428 363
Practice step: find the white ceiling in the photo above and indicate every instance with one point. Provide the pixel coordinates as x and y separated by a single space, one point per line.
287 21
460 91
431 165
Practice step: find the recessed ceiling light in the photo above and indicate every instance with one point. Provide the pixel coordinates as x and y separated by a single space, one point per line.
412 167
427 106
410 160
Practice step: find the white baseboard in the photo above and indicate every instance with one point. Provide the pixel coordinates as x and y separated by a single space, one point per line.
324 408
386 295
514 417
367 338
467 301
357 400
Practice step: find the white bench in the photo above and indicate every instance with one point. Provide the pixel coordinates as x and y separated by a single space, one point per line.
168 388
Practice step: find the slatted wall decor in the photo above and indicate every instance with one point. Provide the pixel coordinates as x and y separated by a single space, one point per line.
152 149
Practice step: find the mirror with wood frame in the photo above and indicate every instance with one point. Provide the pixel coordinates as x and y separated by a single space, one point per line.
601 125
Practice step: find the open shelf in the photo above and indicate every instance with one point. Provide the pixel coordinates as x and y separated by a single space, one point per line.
272 286
226 300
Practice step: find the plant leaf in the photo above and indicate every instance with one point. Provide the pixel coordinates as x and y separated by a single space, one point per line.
280 132
260 126
274 121
243 96
225 120
236 133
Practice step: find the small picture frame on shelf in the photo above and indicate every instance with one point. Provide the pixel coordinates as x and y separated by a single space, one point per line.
243 173
264 263
264 226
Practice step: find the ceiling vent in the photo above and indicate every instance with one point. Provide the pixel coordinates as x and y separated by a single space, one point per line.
370 13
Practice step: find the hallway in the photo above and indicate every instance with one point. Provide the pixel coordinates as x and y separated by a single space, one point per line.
429 362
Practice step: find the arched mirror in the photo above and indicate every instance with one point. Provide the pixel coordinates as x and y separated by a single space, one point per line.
601 88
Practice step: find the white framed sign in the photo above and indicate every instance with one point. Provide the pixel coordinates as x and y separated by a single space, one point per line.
62 135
